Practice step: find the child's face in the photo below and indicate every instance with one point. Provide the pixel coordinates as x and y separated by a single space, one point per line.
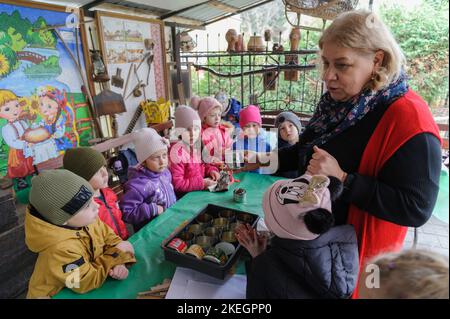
157 162
191 135
85 216
10 110
213 117
288 132
251 130
100 179
48 107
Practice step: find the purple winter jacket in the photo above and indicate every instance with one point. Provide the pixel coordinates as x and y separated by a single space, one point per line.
143 192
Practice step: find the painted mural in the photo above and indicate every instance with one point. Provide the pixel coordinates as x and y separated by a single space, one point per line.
43 111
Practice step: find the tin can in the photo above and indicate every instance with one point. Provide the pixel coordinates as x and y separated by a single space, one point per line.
244 218
228 237
204 220
196 229
196 251
240 195
204 241
220 223
178 245
216 255
212 232
187 237
228 214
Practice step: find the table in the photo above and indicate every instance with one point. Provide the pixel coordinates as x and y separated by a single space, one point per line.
151 267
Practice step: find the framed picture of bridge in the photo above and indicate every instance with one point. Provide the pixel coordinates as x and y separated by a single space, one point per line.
134 47
43 111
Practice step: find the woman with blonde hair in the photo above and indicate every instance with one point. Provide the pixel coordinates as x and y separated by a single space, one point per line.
410 274
372 132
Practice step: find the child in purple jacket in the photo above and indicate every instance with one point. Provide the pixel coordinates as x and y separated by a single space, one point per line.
149 191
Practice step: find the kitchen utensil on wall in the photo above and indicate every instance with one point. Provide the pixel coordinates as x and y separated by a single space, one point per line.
117 80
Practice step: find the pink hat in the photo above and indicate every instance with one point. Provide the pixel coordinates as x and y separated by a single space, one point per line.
286 202
205 105
147 142
249 114
185 117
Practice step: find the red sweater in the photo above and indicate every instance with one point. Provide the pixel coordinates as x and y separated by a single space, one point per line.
405 118
110 213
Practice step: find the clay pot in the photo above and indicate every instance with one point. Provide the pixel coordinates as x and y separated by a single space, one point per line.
267 35
256 44
294 38
187 44
270 82
232 37
240 46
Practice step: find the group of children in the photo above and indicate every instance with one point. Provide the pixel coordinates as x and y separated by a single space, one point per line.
77 225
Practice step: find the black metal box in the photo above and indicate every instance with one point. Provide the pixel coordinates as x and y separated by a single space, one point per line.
205 266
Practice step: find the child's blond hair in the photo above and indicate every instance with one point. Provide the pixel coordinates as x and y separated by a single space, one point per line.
413 274
7 96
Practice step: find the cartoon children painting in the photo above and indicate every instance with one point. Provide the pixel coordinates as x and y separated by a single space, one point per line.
20 162
56 112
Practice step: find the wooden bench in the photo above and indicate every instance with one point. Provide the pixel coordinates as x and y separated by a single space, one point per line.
444 129
104 147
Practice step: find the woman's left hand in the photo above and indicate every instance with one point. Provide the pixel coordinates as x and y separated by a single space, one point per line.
324 163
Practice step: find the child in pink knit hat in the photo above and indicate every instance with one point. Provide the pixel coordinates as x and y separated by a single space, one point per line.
307 258
251 136
189 173
149 190
216 136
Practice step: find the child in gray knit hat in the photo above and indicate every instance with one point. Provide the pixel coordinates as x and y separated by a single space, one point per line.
76 250
289 128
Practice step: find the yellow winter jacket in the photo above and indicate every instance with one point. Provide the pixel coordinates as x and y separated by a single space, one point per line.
77 258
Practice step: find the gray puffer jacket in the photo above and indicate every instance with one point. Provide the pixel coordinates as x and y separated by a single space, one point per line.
326 267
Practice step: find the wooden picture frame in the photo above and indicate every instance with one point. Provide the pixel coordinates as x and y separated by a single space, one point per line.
122 41
36 65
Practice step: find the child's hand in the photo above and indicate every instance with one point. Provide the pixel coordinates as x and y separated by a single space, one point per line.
160 209
125 246
248 238
207 182
215 175
119 272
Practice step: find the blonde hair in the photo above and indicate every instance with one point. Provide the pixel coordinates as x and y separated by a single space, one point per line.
362 30
413 274
7 96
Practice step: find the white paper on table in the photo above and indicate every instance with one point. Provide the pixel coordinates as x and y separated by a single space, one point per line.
191 284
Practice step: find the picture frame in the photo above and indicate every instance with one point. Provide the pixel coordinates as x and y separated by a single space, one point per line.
126 42
36 70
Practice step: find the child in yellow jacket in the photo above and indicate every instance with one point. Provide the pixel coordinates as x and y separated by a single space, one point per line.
76 249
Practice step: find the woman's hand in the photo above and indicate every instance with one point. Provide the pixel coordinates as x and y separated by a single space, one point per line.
119 272
248 238
323 163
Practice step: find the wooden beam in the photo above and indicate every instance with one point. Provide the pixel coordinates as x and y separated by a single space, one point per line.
222 6
185 26
183 20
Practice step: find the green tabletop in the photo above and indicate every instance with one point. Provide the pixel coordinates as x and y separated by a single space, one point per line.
151 268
